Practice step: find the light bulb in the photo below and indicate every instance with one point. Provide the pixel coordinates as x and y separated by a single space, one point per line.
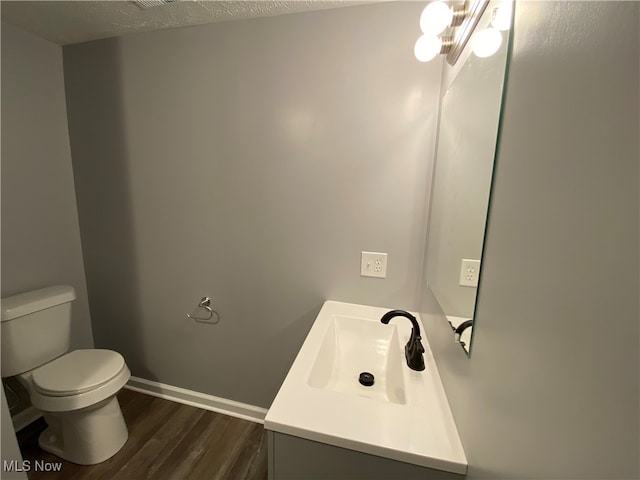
502 16
486 42
435 18
427 47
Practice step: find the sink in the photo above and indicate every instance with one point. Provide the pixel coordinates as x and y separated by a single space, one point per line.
403 416
353 345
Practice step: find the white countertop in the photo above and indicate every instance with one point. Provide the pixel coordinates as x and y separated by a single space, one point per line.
421 431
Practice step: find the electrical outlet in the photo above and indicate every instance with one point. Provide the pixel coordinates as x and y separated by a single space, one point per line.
469 272
373 264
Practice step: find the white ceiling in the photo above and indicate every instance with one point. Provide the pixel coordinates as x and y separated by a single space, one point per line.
65 22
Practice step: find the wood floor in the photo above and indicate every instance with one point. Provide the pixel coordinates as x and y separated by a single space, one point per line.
167 440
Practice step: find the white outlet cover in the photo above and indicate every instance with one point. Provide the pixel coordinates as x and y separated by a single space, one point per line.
373 264
469 272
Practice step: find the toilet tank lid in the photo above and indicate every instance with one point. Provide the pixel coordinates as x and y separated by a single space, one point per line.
23 304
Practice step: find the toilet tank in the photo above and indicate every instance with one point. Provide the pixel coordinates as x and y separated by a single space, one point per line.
36 328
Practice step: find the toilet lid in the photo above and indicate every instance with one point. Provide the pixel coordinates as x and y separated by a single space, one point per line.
77 372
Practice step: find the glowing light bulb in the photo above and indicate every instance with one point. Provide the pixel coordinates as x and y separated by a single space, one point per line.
486 42
435 18
502 16
427 47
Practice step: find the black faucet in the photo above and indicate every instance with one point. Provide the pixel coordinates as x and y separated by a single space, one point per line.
413 350
457 333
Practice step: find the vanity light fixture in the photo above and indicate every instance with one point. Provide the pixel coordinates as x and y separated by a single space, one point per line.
436 18
488 41
501 16
429 46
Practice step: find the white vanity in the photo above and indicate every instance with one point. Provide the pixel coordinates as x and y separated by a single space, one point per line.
324 423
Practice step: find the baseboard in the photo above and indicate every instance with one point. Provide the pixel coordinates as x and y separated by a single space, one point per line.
197 399
25 417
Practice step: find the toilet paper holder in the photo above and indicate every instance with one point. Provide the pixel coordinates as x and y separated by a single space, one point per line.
205 302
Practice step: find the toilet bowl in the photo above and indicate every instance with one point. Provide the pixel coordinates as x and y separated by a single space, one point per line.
77 395
76 391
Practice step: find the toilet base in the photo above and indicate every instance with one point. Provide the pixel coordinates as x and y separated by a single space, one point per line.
87 436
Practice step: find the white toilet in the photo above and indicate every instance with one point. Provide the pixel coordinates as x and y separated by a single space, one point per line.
76 391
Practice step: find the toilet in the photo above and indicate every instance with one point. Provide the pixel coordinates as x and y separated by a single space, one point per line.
75 391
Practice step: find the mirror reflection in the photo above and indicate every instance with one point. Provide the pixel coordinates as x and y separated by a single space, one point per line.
468 129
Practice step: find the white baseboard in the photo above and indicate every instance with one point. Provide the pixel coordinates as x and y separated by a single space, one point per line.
197 399
25 417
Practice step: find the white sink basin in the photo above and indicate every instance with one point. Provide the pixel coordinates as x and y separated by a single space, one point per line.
353 345
403 416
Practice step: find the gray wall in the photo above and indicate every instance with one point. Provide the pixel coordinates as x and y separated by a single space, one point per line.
40 233
249 161
551 388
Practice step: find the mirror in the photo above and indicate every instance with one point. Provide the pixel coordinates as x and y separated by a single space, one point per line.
467 136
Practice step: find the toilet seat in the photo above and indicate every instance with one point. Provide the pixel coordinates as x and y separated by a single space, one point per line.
77 380
77 372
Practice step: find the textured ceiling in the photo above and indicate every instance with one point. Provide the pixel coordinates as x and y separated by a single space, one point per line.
66 22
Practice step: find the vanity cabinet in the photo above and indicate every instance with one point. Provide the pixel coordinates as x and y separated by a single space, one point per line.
295 458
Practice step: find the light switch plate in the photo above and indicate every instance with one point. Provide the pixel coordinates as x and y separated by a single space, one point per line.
373 264
469 272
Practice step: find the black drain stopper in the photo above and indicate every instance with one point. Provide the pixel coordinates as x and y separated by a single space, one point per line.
366 379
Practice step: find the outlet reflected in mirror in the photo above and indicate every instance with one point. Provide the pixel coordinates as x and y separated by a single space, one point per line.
468 130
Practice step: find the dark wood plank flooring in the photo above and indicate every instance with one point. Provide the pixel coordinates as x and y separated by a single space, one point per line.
167 440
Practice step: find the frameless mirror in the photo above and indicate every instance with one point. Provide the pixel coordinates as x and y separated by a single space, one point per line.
467 136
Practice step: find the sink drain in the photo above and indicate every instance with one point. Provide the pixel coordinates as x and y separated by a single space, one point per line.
366 379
